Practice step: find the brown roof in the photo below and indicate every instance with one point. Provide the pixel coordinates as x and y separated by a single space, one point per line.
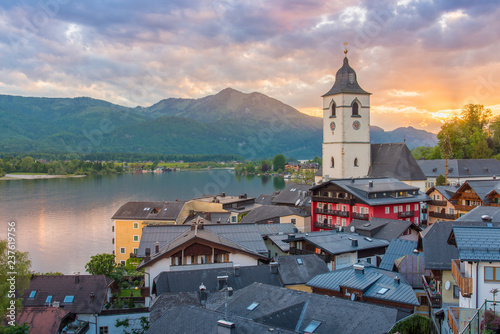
149 210
43 319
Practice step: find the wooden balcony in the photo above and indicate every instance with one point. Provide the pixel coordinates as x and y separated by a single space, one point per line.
360 216
453 319
333 200
323 225
448 216
433 296
464 283
406 214
464 207
436 203
332 212
473 196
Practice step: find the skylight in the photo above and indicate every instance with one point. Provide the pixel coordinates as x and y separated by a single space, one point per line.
32 294
313 325
252 306
49 299
299 261
382 291
69 299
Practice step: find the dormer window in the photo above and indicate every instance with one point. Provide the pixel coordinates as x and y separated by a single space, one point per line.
355 109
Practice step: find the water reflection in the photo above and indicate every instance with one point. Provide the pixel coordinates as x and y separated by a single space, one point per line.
279 182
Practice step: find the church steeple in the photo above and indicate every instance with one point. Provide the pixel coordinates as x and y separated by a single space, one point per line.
346 81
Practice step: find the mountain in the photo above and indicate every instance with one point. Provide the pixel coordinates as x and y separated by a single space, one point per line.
411 136
251 125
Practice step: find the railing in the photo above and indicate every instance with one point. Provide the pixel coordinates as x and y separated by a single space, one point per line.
452 319
470 196
482 322
324 225
436 203
464 207
464 283
333 200
332 212
361 216
406 214
433 296
450 216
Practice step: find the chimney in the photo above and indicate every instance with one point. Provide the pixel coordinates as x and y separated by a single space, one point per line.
230 291
92 297
208 216
222 194
236 270
77 279
226 327
274 267
397 279
55 304
354 242
359 269
291 236
370 184
191 215
222 281
193 226
157 247
486 218
203 294
147 256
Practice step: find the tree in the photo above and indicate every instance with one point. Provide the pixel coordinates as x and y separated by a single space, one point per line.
16 329
303 176
440 180
12 261
279 162
101 264
140 325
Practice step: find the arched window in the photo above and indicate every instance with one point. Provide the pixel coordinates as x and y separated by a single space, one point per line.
334 109
355 106
332 163
355 162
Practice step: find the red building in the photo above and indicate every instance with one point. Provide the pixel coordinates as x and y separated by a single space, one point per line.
337 202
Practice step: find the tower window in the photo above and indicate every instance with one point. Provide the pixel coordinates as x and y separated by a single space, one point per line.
355 162
332 163
355 107
334 109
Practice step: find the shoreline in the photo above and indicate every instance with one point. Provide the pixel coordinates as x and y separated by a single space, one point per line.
35 177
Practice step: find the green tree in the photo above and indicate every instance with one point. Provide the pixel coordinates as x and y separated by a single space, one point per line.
303 176
279 162
138 326
16 329
414 324
479 146
12 261
101 264
440 180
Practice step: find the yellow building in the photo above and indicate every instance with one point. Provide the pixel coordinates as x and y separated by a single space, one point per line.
440 207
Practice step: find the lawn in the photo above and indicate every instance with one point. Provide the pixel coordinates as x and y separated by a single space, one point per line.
126 293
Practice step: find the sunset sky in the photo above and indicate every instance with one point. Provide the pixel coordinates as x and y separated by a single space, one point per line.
421 60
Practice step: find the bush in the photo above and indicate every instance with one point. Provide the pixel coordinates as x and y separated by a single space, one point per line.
414 324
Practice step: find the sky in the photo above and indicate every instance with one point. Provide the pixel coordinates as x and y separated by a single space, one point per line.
421 60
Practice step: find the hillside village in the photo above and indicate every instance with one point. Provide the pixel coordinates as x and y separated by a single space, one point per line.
372 244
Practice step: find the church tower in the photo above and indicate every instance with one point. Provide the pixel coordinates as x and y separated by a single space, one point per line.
346 127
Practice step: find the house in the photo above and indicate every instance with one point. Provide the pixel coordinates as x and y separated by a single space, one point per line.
459 170
131 217
275 214
474 193
366 283
294 195
296 270
81 298
439 207
387 229
397 249
274 236
47 319
303 312
337 202
337 249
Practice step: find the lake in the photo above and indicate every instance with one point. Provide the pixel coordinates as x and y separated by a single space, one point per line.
62 222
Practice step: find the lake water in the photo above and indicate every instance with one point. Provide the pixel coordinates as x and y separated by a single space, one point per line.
62 222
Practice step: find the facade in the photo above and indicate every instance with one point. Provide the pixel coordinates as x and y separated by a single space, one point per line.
475 193
440 207
337 202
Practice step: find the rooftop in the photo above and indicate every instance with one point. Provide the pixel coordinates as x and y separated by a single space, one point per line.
268 212
299 269
476 243
394 160
382 228
461 168
397 248
149 210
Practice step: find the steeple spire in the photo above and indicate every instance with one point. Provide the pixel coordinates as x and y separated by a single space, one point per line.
345 51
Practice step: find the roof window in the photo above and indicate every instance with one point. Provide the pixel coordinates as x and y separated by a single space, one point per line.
253 306
382 291
32 294
49 299
299 261
68 299
313 325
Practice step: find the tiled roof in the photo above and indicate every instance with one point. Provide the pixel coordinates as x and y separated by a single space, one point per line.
483 188
299 269
44 319
268 212
271 229
79 286
476 243
476 214
461 168
149 210
394 160
294 310
370 280
397 248
264 199
190 280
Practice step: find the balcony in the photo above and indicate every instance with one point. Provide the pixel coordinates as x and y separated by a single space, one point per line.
464 283
433 296
360 216
464 207
333 200
473 196
453 313
437 203
442 215
424 210
332 212
406 214
324 225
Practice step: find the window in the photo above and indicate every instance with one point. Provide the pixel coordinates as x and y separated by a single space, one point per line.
334 109
382 291
338 206
395 209
194 259
338 220
343 222
136 225
451 211
226 257
400 208
122 250
294 221
355 162
492 274
416 207
367 211
103 330
49 299
416 221
330 220
136 238
343 208
252 306
387 210
332 163
407 207
423 300
354 209
313 325
135 250
456 292
233 219
208 258
123 262
68 299
355 107
32 294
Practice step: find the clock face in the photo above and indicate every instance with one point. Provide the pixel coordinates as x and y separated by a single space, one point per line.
332 126
356 125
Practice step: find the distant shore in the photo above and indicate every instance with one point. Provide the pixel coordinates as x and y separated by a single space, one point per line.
35 176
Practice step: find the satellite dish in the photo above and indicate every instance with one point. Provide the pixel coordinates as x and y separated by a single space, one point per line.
447 285
353 229
353 297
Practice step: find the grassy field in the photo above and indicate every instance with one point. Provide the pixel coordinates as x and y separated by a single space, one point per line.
126 293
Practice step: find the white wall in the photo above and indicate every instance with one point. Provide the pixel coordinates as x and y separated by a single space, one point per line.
480 288
110 322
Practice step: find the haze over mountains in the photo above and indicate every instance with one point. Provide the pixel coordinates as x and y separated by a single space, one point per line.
252 125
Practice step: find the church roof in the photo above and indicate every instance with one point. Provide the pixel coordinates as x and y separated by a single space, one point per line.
345 81
394 160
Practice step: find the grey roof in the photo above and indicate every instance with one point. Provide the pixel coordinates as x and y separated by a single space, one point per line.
291 272
397 248
190 280
264 199
334 242
461 168
278 240
272 229
382 228
149 210
370 281
293 194
294 310
346 81
191 319
446 191
268 212
79 286
246 235
412 267
477 243
361 189
210 218
480 187
394 160
476 214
